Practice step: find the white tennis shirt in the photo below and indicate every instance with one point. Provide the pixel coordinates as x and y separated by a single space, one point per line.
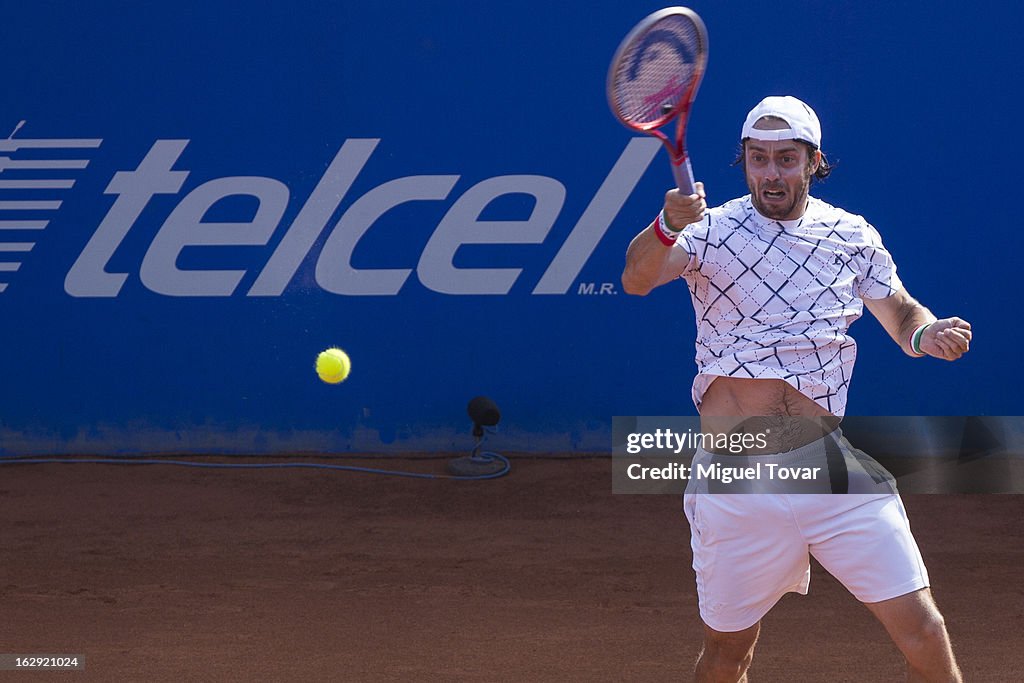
774 300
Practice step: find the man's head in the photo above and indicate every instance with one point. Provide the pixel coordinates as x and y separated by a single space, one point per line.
781 141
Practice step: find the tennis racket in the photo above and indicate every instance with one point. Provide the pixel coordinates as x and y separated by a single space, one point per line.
654 78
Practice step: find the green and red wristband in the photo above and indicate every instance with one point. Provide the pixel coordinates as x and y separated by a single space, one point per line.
915 340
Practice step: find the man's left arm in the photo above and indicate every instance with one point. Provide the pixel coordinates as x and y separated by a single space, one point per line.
901 315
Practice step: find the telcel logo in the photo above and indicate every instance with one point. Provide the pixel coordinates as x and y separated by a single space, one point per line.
184 227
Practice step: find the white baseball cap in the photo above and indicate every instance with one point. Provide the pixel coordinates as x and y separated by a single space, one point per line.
803 122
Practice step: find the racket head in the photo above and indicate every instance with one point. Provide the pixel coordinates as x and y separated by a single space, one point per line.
657 69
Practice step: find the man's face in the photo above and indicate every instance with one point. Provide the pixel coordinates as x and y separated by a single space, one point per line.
778 174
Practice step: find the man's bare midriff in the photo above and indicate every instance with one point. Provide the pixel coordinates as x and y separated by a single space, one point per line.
764 406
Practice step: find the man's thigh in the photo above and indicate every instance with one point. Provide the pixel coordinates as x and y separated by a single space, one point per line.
906 614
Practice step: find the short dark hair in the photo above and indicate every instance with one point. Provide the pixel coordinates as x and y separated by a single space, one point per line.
824 168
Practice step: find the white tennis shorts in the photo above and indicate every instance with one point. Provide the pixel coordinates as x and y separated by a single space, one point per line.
750 549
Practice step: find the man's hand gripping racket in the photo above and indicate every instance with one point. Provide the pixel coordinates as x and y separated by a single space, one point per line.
654 78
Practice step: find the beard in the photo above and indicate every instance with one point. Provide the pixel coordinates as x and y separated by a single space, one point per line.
779 201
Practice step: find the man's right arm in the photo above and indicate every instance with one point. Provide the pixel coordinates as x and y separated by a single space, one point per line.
650 262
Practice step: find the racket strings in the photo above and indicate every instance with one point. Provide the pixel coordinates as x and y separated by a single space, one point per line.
655 71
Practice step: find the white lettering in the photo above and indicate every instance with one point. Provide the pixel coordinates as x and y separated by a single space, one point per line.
776 471
708 471
313 217
134 189
334 271
461 225
185 227
436 267
598 216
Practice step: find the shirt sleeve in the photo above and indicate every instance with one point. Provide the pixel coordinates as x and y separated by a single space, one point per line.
876 277
694 239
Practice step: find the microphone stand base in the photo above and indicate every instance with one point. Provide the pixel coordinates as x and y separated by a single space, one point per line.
474 466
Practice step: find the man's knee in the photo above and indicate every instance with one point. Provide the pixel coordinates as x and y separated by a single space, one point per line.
928 651
919 631
926 633
913 618
727 655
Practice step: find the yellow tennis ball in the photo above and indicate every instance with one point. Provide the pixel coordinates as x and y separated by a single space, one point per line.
333 365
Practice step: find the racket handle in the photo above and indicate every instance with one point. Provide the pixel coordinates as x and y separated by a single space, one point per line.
684 175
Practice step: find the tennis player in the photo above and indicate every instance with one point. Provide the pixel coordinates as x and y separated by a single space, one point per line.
776 278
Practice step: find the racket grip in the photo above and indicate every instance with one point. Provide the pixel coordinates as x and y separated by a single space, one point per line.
683 173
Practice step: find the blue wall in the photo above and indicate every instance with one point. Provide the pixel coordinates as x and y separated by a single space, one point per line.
106 348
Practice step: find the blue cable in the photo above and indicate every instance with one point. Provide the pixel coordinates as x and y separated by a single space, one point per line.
141 460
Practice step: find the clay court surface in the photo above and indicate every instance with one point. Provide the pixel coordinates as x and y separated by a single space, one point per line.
171 574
